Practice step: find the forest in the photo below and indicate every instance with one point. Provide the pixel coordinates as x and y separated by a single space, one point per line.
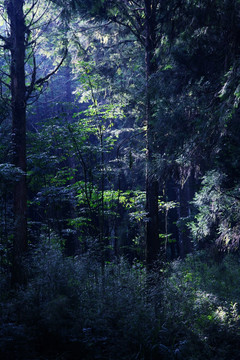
119 179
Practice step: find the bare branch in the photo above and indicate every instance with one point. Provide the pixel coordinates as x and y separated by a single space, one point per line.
136 3
46 24
34 3
42 80
33 42
138 36
3 38
33 22
130 14
34 13
35 97
4 73
4 83
5 19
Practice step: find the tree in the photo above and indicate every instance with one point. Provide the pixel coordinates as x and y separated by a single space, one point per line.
141 18
201 105
18 42
152 186
15 43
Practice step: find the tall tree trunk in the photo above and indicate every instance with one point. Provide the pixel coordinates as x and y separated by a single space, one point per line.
18 93
152 227
185 196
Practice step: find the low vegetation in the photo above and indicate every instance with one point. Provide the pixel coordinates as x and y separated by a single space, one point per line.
73 308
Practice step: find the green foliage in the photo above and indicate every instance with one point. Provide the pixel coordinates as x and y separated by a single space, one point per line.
218 213
70 301
9 173
203 297
86 184
73 307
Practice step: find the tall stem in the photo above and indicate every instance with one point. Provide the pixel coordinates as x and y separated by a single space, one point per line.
18 106
152 227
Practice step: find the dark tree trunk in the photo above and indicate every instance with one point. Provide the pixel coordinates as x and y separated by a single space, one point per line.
152 227
18 93
185 196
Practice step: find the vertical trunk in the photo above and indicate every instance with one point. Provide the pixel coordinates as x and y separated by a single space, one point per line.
101 209
152 227
18 91
185 196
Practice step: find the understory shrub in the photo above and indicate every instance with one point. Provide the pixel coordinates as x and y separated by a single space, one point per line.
200 304
73 305
73 308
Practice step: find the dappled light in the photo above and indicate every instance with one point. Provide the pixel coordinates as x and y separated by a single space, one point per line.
119 180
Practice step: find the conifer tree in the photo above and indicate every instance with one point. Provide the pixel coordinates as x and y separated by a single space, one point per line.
17 42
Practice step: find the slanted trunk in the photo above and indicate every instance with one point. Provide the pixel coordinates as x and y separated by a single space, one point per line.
18 92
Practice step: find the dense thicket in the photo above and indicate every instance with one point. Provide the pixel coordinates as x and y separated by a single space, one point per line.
119 179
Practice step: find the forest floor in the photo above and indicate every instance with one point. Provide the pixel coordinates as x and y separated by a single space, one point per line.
71 310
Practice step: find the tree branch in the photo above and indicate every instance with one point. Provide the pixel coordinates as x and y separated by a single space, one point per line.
4 83
7 42
138 36
4 73
31 8
45 78
3 38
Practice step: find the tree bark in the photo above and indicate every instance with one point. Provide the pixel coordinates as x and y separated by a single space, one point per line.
18 104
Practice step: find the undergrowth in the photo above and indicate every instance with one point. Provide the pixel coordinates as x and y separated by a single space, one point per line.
72 308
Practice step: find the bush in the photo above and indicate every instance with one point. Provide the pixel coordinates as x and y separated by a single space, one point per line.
200 301
73 308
